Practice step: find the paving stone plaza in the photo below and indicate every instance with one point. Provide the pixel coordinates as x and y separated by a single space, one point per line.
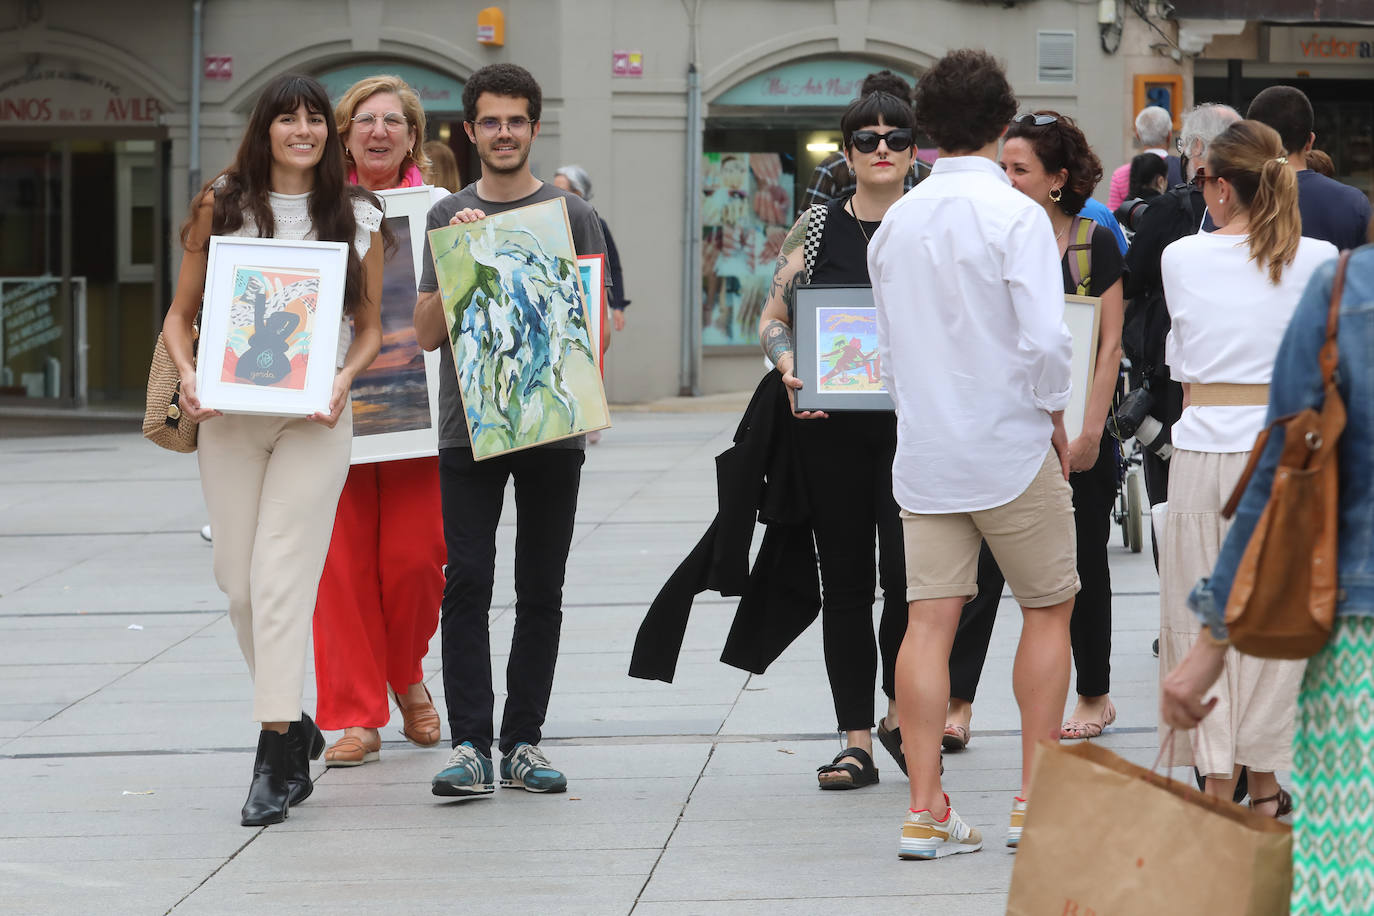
126 738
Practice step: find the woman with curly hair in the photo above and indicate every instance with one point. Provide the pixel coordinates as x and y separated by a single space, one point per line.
272 483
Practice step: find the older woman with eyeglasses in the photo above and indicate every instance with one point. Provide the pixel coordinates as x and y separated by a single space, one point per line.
378 602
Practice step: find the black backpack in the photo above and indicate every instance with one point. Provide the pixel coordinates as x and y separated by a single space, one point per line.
1171 216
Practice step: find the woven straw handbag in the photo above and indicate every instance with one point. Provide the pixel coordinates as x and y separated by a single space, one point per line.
163 422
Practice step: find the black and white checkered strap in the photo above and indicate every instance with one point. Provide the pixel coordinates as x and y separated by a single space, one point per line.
815 228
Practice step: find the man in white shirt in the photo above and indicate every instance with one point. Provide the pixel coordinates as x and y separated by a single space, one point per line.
974 351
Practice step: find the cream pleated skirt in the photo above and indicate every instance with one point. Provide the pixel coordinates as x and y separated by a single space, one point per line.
1253 721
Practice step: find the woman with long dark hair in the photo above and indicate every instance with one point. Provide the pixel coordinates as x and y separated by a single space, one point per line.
271 483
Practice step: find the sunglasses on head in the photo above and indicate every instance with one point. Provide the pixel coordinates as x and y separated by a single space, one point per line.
866 141
1037 120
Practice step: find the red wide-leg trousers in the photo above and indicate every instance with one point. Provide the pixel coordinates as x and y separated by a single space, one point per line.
378 602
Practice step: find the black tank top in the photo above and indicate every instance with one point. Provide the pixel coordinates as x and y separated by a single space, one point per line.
843 256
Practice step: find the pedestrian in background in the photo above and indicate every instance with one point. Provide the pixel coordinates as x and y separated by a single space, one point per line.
1231 294
958 476
574 178
1334 735
846 457
271 483
1149 177
378 604
1153 127
1047 158
443 166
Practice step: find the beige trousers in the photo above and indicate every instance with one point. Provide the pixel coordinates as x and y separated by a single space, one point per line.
272 485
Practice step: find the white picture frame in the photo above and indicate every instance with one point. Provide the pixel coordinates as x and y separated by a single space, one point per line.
394 417
1083 317
249 281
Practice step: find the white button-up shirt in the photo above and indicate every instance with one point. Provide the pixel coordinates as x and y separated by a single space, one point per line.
970 296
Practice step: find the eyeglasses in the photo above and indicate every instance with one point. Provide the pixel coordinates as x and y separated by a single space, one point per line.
392 121
1200 179
866 141
490 127
1037 120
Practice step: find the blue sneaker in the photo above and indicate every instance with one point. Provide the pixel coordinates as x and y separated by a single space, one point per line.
467 773
527 768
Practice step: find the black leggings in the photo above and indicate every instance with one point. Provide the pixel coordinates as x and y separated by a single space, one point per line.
847 460
1090 628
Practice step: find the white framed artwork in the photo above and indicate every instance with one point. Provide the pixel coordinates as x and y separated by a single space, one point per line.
269 332
396 399
1083 316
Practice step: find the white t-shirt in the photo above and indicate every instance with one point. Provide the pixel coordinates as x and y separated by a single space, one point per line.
1228 321
974 352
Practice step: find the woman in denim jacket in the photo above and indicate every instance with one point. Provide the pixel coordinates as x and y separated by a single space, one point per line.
1333 776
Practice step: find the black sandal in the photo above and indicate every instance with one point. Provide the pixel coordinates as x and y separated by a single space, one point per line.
1281 797
849 775
892 740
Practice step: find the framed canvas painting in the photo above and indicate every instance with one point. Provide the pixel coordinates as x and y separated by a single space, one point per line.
269 332
1083 316
396 399
518 325
593 268
835 331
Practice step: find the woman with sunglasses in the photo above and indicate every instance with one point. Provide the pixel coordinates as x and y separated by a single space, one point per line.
271 483
846 457
1047 158
378 604
1231 294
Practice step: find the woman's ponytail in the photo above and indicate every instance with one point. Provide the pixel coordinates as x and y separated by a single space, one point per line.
1251 157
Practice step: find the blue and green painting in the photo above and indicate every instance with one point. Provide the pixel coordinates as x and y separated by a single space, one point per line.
847 351
513 301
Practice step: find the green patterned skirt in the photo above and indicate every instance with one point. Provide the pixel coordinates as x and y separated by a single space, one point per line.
1333 776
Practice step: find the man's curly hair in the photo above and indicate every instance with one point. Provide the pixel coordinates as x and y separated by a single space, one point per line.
1061 145
503 79
964 101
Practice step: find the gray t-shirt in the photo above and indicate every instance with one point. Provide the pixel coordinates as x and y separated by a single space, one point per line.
587 239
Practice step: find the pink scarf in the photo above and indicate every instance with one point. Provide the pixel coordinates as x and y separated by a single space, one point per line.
411 179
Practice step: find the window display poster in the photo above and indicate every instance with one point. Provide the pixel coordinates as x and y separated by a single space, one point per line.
745 209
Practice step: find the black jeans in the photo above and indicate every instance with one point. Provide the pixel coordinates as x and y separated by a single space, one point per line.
847 460
546 482
1090 628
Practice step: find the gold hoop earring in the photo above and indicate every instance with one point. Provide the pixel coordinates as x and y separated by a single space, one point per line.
411 152
1056 195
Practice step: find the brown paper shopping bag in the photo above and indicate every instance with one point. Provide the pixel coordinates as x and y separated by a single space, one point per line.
1105 837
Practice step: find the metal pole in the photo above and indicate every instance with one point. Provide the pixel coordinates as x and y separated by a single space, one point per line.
690 376
197 62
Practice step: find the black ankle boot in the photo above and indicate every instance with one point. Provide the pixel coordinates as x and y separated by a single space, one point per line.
304 743
267 797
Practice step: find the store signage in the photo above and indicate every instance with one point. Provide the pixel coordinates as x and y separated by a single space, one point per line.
43 98
1306 45
27 316
219 67
437 91
819 83
627 63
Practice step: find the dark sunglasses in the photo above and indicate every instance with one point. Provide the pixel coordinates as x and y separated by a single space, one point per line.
1200 180
866 141
1037 120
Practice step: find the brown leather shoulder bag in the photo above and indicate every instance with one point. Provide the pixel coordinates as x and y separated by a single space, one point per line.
1283 600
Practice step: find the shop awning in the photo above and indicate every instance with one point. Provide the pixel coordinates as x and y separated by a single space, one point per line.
1279 10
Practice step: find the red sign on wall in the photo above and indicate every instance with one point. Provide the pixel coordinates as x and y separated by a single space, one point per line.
219 67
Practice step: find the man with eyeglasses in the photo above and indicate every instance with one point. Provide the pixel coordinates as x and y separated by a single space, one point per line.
501 104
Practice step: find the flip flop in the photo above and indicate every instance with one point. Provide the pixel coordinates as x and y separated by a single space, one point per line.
847 775
956 738
1078 730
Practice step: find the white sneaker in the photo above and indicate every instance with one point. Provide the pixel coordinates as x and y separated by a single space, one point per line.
924 837
1018 822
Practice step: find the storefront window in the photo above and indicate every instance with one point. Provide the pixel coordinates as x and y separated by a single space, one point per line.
32 311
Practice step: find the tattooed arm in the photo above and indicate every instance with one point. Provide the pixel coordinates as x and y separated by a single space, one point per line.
775 330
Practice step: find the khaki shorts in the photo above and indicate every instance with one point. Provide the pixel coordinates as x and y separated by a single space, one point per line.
1032 538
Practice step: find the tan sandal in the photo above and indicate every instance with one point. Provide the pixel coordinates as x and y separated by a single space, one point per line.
351 751
1077 730
956 738
420 720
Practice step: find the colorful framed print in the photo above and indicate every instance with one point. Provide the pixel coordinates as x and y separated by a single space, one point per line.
518 325
1083 316
835 330
269 333
396 399
593 268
